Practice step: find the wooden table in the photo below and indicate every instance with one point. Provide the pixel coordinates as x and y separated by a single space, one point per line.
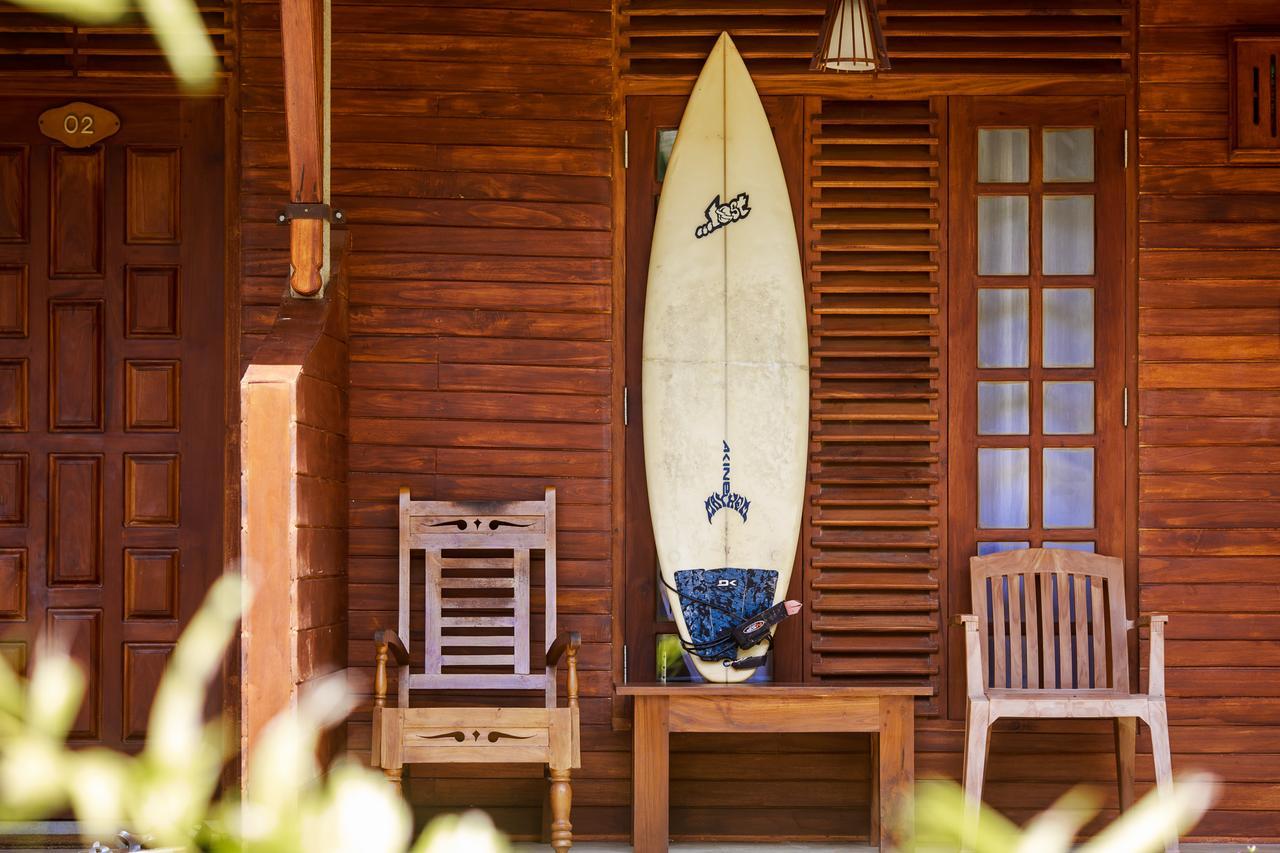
888 713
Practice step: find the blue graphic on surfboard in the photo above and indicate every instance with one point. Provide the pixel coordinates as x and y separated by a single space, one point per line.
725 370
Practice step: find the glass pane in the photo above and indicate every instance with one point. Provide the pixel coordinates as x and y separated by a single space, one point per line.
664 606
1004 408
1068 327
666 140
1070 546
671 661
1003 330
1002 235
985 548
1068 408
1002 155
1068 155
1068 235
1003 494
1068 487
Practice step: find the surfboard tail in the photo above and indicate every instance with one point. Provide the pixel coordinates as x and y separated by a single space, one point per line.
722 610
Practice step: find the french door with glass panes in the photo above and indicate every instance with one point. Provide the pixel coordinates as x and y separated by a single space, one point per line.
1037 342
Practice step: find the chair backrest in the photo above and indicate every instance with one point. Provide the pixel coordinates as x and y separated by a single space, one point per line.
476 582
1051 619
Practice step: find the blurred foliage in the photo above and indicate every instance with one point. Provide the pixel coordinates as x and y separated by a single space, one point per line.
168 793
941 824
176 25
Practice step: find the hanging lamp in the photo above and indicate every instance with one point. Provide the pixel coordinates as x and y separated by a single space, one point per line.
851 38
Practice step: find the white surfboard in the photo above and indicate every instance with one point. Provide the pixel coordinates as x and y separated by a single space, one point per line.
725 369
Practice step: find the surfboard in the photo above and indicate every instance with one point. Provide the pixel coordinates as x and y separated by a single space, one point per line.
725 367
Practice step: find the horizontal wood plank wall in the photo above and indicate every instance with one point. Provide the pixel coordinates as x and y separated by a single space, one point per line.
472 155
1209 409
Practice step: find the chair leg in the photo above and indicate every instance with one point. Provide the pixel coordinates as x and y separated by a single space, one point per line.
976 742
1158 721
394 775
561 800
1126 757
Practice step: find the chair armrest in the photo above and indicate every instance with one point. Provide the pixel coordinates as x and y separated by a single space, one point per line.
564 642
566 645
975 672
1151 620
387 637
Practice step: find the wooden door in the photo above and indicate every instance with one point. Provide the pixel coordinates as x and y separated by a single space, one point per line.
651 131
1037 336
111 394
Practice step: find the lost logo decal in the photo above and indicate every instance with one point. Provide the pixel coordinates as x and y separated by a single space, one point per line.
726 498
719 215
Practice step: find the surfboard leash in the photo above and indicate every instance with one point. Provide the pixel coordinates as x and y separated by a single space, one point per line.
745 634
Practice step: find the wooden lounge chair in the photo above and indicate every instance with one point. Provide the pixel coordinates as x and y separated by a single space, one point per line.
1047 639
477 637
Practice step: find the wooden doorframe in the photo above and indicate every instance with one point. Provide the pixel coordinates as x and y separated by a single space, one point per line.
1113 114
665 111
227 91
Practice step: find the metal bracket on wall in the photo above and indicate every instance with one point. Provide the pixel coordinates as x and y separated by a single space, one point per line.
310 210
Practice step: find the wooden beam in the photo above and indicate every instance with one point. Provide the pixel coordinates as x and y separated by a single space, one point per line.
894 85
302 37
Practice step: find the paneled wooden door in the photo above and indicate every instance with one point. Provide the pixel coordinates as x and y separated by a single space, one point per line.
111 394
1038 346
651 132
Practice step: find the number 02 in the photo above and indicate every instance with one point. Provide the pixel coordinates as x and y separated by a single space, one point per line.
78 124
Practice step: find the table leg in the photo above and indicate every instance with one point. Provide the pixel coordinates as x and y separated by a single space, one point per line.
897 770
873 834
651 761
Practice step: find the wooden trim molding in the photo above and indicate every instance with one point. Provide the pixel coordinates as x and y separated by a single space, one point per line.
894 85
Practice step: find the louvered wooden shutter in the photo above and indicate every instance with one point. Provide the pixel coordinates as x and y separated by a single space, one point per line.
673 37
873 526
34 44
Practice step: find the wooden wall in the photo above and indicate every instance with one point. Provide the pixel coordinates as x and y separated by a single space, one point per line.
1209 406
479 197
479 192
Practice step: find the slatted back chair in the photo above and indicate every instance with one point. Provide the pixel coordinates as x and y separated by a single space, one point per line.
1048 639
477 636
1051 619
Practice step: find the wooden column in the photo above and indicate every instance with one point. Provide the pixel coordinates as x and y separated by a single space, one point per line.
302 37
293 542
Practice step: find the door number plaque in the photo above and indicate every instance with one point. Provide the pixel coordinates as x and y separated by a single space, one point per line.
78 125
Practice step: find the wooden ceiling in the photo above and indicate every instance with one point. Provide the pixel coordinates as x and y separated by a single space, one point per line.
672 37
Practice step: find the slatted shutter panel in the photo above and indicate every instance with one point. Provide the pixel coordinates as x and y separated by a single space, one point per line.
673 37
875 504
35 44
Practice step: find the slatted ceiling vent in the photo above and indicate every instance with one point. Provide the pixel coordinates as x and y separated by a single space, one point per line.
673 37
34 44
875 467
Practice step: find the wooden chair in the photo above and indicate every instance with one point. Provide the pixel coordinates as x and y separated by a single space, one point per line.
477 637
1048 639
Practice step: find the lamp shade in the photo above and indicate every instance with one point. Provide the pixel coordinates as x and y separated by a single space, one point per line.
851 38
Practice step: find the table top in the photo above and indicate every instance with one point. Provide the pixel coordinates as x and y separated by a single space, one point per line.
771 690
